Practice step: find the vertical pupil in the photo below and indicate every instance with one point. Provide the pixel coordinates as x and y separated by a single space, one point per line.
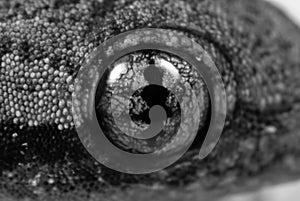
153 95
157 116
153 75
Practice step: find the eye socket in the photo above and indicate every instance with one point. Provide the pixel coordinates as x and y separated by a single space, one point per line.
99 97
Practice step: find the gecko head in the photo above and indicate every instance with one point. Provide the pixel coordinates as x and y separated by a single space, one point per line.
132 85
61 77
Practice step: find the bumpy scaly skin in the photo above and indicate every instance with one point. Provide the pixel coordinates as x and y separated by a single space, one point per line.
43 44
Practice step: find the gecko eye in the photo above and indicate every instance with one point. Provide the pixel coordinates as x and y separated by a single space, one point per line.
142 98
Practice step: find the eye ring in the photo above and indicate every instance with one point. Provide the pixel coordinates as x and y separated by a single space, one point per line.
86 82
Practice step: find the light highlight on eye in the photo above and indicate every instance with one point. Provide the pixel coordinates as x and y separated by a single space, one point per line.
116 73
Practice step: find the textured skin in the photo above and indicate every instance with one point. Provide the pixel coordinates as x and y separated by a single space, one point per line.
42 46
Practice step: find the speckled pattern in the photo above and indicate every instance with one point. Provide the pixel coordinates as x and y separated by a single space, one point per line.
43 44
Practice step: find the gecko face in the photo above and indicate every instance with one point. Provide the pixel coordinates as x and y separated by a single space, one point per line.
66 67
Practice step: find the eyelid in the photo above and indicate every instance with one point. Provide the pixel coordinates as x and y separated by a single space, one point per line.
132 41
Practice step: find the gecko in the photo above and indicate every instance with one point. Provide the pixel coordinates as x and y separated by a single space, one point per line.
43 44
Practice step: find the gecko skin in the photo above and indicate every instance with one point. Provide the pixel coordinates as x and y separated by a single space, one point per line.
43 44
